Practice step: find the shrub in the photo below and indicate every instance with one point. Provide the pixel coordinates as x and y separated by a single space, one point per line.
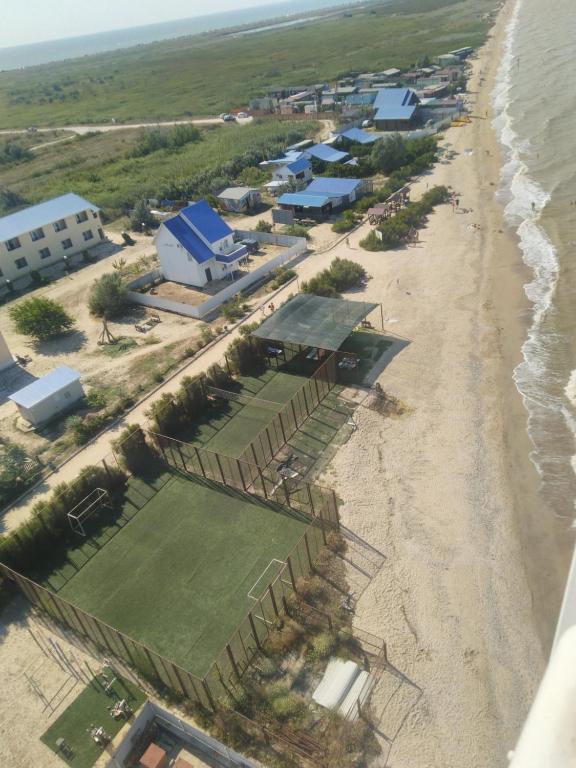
323 645
288 706
371 242
280 276
141 218
108 296
164 415
133 450
15 476
244 356
342 275
233 309
217 377
84 428
263 226
40 318
191 397
296 230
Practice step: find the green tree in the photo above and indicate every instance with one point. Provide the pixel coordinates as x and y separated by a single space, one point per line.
40 318
263 226
387 156
108 297
10 200
141 218
14 477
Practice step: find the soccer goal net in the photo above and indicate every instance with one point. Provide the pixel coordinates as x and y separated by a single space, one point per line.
87 508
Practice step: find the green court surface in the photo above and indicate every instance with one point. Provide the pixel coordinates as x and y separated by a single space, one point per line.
232 426
177 575
90 708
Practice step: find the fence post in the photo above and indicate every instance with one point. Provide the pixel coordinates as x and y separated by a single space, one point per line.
310 499
270 444
273 598
294 414
200 462
292 579
106 467
282 427
182 457
322 526
220 468
241 475
254 454
254 633
232 661
311 564
208 693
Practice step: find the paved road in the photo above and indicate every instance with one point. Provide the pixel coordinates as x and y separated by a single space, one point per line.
83 129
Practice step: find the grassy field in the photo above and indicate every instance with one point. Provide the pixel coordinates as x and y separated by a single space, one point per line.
90 707
98 166
233 426
177 576
206 74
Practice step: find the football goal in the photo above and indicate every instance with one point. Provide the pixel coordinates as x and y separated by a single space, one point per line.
87 508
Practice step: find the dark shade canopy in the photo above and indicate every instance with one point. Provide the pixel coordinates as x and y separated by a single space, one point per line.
314 321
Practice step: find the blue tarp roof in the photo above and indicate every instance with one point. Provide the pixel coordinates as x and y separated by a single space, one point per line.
303 200
299 165
323 185
45 387
206 221
187 238
44 213
395 104
359 136
326 153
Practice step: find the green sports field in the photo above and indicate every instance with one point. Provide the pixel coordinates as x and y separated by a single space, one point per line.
232 426
176 576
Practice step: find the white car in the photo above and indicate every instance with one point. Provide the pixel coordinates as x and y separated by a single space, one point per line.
242 115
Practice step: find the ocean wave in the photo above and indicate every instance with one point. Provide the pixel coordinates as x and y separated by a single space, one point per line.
524 199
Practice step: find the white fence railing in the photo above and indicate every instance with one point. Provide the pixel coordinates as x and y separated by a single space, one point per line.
295 246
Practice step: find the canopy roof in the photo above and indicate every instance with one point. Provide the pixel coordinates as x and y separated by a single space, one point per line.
314 321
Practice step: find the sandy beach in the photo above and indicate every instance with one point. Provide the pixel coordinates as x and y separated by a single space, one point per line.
474 566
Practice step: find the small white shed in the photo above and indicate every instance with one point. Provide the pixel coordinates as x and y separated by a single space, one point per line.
49 396
6 359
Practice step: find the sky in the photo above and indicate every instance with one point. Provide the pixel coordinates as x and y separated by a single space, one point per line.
34 21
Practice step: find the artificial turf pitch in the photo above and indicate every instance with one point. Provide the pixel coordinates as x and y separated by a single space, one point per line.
176 577
232 426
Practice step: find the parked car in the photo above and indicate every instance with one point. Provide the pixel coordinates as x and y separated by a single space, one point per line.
367 124
228 118
242 115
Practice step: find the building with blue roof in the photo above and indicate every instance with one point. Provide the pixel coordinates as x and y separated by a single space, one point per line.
297 172
47 233
324 196
197 246
358 136
326 154
396 109
49 396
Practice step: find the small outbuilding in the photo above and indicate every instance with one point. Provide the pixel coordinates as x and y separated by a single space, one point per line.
239 199
49 396
6 359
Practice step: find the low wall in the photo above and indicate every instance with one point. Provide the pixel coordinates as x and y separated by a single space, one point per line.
295 246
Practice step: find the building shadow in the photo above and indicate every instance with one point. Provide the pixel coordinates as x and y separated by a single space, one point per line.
14 379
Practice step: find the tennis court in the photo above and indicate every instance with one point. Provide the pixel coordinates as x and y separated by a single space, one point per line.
231 425
177 574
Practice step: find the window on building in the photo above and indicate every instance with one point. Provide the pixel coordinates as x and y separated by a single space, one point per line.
45 253
95 214
100 233
37 234
88 234
67 243
60 225
80 217
21 263
12 244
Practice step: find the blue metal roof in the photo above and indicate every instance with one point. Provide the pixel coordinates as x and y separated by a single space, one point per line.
45 387
395 104
206 221
188 239
324 185
230 258
42 214
299 165
359 136
326 153
360 99
303 200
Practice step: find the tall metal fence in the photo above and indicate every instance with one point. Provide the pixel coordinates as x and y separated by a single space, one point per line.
313 504
295 413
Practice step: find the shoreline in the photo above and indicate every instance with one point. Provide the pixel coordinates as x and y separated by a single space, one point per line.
474 564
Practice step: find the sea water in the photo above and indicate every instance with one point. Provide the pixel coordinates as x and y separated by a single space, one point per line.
535 106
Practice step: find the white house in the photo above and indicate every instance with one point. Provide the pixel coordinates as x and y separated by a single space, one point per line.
6 359
197 246
44 234
49 396
298 170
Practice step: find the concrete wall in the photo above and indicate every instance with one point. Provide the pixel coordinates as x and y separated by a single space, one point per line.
6 359
57 403
295 246
30 250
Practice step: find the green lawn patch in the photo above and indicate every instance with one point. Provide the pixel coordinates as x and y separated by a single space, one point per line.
177 575
232 426
90 708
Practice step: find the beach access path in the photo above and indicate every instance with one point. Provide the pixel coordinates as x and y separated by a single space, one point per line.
108 127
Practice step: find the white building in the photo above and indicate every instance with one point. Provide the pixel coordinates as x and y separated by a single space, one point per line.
46 233
298 170
6 359
239 199
49 396
197 246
